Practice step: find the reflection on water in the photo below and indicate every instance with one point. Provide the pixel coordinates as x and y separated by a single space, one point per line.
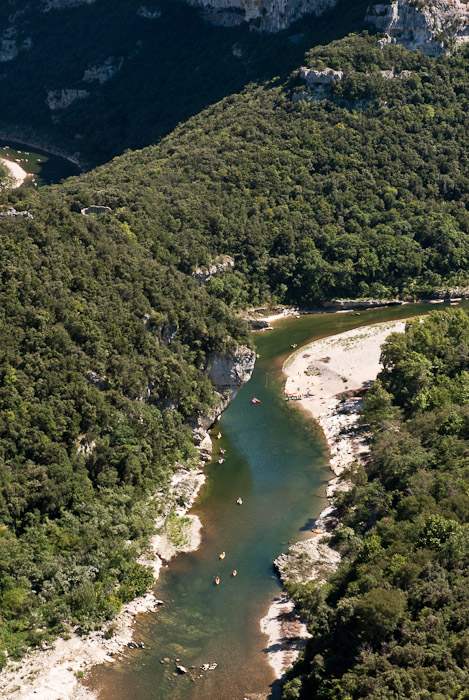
44 168
276 459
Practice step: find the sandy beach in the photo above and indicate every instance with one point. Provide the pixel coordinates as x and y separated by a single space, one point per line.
16 171
333 374
53 672
345 362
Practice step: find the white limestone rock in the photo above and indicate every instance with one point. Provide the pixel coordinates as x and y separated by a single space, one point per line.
222 264
430 27
328 76
231 372
104 72
8 50
148 14
267 15
49 5
61 99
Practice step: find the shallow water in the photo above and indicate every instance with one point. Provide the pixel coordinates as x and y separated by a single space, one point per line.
277 461
44 167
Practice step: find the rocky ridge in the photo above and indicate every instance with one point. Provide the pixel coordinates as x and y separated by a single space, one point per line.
431 27
227 375
266 15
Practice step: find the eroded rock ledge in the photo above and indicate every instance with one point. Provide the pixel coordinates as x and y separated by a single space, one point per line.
227 374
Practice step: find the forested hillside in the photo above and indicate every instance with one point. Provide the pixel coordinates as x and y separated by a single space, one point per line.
363 193
105 333
101 367
99 78
392 622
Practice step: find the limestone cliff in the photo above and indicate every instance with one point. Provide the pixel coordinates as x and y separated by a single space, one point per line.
430 27
231 372
227 374
268 15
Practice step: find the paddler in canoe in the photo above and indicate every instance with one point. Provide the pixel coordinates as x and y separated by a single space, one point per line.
217 580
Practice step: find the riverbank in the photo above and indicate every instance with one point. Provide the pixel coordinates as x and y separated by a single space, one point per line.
333 373
24 138
16 171
54 671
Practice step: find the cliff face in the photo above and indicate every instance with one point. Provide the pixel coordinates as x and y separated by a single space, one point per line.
227 375
424 25
268 15
430 27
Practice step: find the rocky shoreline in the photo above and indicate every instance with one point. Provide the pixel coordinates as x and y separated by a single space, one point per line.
322 367
34 141
54 671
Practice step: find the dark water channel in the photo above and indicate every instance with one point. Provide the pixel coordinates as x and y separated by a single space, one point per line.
44 167
277 461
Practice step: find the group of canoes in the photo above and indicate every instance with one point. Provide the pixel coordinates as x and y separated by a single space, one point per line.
217 578
222 555
239 502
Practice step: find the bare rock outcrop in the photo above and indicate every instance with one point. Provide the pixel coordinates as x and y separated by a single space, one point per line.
227 374
319 84
146 13
49 5
267 15
313 77
230 373
349 304
308 560
222 264
431 27
8 50
11 211
103 72
61 99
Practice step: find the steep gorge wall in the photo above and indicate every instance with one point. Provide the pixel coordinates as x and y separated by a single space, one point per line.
268 15
428 26
431 26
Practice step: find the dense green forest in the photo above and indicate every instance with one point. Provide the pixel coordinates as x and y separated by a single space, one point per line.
102 354
363 193
170 68
392 621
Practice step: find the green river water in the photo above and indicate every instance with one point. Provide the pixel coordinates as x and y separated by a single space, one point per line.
45 168
277 461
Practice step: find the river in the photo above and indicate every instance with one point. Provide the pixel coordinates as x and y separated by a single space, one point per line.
44 167
277 461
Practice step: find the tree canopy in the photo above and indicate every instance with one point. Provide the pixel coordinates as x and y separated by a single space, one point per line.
392 621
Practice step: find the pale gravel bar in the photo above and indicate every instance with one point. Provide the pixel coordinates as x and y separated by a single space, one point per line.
320 369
